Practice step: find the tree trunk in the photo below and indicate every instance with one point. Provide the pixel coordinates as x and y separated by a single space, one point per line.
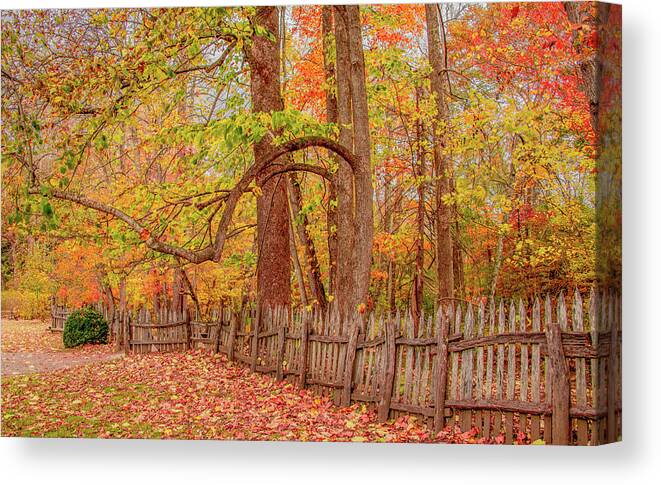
191 292
354 236
496 267
297 267
273 252
457 260
364 191
444 258
345 282
331 117
418 277
314 273
601 81
178 294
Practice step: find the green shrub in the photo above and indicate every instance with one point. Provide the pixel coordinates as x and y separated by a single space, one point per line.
85 326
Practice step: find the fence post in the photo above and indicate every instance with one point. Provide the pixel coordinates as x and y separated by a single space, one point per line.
232 336
305 330
613 319
388 369
559 380
441 377
219 327
126 332
189 328
120 342
255 340
280 351
351 356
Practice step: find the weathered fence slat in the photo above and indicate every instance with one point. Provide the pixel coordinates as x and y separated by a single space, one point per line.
581 389
467 370
613 318
548 389
523 388
443 320
349 366
511 370
500 367
489 392
389 370
480 416
535 372
559 376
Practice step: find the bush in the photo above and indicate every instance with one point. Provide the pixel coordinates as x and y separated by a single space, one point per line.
85 326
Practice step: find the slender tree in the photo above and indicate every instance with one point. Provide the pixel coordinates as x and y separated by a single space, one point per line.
439 89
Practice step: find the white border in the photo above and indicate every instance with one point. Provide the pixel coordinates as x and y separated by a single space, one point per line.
636 460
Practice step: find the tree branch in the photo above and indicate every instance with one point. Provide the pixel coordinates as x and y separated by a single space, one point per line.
300 167
214 251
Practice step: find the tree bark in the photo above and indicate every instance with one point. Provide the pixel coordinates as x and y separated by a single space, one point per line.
297 267
418 277
331 117
444 258
355 209
364 191
314 272
345 282
273 252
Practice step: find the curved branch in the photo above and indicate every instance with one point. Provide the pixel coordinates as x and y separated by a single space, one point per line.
243 184
152 243
313 141
290 147
300 167
214 251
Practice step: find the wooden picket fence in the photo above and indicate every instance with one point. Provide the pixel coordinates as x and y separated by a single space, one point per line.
501 369
10 314
58 315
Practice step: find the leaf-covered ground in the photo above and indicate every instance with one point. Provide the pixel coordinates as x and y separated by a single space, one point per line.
188 396
192 395
28 346
29 336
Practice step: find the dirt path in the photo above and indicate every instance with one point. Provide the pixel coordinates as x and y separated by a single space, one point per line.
28 347
18 363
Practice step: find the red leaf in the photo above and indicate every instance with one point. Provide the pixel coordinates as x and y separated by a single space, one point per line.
514 12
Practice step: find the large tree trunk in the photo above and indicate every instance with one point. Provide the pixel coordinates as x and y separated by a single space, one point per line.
355 210
345 282
273 252
364 191
444 258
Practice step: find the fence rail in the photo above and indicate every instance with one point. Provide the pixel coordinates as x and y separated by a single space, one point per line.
540 369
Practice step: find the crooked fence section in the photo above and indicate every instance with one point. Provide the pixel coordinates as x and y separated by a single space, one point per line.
549 369
58 315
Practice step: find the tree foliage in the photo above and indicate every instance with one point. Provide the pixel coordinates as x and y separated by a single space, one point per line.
148 112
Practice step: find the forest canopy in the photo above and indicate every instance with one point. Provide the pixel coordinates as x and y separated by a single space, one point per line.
382 156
